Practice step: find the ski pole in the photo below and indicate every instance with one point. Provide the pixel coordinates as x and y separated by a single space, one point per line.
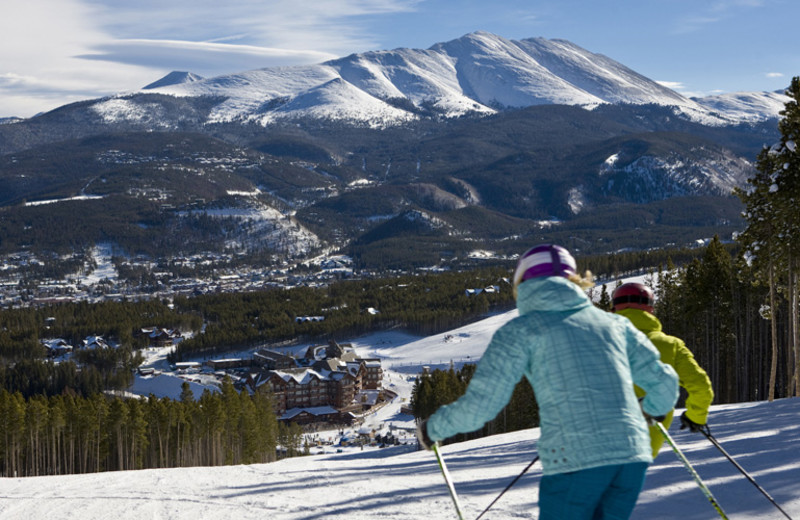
707 432
446 474
509 486
691 470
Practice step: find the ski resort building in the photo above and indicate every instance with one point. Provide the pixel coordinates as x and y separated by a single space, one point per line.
326 376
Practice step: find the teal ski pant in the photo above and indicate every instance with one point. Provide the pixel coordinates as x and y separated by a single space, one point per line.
602 493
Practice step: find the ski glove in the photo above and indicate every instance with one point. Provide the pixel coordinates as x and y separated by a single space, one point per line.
688 423
422 435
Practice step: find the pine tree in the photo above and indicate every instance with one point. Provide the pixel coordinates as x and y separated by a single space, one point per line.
773 227
137 435
604 302
117 430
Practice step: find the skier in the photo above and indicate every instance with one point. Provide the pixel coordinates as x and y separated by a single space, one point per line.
635 302
581 363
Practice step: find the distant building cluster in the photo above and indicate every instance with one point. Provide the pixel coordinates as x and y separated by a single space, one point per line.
329 383
17 291
157 337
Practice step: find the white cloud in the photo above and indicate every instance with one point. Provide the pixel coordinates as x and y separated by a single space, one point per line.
326 25
39 40
774 74
57 51
204 58
674 85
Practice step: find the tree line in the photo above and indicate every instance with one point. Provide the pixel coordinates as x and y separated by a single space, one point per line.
712 304
68 434
440 387
216 324
422 304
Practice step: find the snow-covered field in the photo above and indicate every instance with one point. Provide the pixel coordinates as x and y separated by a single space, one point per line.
401 483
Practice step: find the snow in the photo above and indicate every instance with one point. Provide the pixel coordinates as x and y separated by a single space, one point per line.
265 225
477 73
747 107
163 385
101 254
399 482
67 199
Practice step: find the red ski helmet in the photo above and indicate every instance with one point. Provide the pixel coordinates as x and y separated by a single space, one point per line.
633 296
544 260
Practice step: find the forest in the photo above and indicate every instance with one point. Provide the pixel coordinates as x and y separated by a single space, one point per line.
67 434
735 305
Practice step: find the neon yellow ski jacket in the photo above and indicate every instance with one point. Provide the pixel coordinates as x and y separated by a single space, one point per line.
691 375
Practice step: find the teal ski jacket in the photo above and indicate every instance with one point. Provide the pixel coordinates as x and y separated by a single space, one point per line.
582 363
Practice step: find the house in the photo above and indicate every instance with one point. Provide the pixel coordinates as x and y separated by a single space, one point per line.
186 365
57 347
306 319
95 342
271 360
305 387
224 364
487 289
373 379
160 337
367 399
320 414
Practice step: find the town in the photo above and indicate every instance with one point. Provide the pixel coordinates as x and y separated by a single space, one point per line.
22 285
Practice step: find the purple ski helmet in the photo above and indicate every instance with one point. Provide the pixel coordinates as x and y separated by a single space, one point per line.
544 260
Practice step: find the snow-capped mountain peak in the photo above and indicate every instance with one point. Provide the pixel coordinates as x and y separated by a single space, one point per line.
175 77
478 73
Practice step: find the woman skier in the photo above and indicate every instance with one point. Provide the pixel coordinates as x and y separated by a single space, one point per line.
582 363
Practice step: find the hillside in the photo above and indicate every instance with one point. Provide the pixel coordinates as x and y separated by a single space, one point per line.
401 483
399 159
538 173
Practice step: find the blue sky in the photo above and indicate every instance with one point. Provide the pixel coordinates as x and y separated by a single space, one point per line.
54 52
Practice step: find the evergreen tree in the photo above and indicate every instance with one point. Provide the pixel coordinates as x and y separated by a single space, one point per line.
773 228
604 302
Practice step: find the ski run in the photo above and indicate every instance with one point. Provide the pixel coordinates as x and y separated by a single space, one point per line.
400 482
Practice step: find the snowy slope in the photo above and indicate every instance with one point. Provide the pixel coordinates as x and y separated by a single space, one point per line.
748 107
400 483
174 78
477 73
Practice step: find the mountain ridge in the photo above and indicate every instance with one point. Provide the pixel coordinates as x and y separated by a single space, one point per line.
173 78
479 73
398 158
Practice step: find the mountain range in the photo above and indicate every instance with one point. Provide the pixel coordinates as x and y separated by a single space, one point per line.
400 158
480 73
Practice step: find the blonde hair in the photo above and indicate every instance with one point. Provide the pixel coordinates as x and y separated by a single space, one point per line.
585 282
